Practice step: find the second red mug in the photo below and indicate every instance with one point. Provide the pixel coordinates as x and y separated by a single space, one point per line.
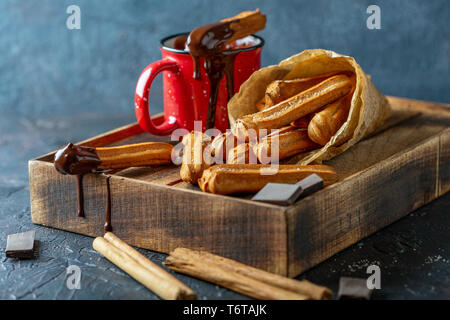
186 99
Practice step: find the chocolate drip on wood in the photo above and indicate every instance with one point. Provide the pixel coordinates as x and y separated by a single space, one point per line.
80 195
108 226
77 160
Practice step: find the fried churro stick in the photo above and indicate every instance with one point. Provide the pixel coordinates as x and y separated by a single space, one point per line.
280 90
135 155
303 122
221 145
245 24
196 156
295 107
241 154
261 104
327 122
289 143
250 178
73 159
215 36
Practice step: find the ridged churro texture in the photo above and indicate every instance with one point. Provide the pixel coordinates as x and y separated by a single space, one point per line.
327 122
289 143
242 153
221 146
196 156
368 109
134 155
250 178
280 90
295 107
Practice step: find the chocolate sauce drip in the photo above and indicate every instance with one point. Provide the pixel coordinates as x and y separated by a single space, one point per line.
108 226
80 195
77 160
73 159
216 67
229 74
209 41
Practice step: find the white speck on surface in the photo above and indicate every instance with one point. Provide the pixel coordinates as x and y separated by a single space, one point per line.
435 258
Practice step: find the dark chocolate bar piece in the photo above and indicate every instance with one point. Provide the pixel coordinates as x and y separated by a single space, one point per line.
278 193
353 288
286 194
310 184
21 245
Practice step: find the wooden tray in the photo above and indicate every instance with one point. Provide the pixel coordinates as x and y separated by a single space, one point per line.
381 179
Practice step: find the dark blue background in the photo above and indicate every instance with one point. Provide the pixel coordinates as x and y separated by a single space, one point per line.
47 69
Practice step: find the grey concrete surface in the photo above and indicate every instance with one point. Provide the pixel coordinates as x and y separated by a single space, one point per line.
51 76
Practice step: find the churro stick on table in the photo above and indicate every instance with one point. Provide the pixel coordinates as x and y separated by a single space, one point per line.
196 156
295 107
250 178
286 144
73 159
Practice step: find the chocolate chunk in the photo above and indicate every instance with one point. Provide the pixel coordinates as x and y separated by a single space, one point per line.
353 288
310 184
286 194
278 193
21 245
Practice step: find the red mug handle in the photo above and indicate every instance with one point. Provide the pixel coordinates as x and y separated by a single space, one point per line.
141 102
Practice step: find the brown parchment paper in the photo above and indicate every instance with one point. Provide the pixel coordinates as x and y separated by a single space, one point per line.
369 108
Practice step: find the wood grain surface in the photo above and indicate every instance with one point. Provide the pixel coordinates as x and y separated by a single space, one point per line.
382 179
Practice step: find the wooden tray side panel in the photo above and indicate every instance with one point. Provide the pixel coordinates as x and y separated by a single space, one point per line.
444 163
162 218
320 226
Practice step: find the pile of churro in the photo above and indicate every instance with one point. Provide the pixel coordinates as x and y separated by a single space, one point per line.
295 116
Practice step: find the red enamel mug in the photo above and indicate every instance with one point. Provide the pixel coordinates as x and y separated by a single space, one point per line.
186 99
